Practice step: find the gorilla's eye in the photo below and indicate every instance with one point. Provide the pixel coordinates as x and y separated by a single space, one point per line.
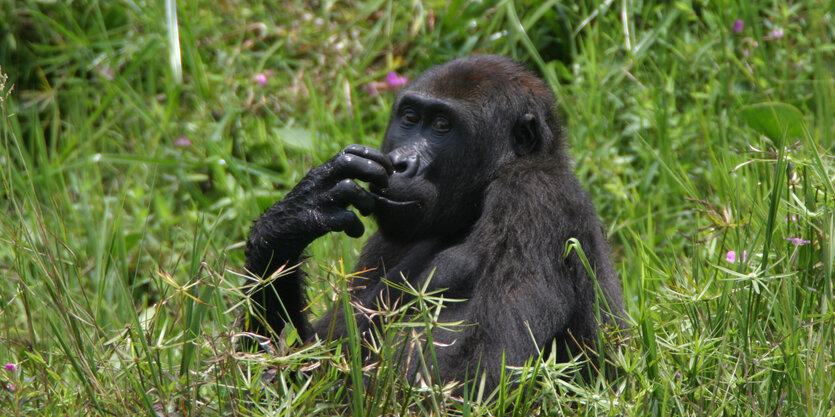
410 116
441 125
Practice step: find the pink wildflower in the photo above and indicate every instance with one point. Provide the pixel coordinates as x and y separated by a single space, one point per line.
261 78
738 25
748 45
182 141
798 241
774 34
11 367
791 218
395 80
392 82
731 256
10 387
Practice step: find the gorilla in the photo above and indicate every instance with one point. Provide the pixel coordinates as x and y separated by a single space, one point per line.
471 187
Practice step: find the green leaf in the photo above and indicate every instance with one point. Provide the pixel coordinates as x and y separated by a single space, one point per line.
774 120
294 137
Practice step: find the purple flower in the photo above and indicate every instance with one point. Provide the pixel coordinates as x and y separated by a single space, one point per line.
395 80
11 367
798 241
738 25
392 82
182 141
774 34
261 78
731 256
791 218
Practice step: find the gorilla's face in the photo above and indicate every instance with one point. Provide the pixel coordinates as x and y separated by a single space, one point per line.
427 141
441 159
452 131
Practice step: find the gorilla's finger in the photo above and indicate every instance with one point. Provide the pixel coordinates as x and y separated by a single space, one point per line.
348 222
348 165
348 192
372 154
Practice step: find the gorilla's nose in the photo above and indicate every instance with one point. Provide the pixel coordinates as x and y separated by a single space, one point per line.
405 163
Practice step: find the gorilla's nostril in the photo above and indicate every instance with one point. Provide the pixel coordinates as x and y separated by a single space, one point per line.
401 166
405 164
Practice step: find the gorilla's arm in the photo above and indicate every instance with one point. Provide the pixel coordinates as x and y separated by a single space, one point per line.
315 206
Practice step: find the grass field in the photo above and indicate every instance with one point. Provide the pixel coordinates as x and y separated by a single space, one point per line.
138 140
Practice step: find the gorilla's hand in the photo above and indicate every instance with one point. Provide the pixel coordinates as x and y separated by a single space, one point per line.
319 202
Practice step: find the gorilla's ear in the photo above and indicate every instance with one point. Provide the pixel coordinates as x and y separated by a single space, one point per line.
526 135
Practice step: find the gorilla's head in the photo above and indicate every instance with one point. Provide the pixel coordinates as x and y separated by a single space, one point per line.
452 131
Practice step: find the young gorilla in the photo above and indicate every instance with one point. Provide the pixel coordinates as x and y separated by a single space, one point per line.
472 186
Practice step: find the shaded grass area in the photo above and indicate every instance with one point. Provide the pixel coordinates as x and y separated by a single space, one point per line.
128 183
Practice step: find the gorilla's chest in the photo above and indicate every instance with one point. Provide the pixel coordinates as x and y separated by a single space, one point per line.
451 271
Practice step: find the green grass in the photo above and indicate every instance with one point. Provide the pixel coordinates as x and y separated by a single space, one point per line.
120 246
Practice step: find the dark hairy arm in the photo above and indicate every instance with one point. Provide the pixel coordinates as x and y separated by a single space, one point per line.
317 205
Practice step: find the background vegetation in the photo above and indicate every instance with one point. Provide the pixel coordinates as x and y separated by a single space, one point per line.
136 147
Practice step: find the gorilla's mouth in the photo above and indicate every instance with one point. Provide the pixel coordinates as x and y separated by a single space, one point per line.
383 198
379 199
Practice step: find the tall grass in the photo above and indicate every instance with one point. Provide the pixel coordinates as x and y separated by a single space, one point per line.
127 189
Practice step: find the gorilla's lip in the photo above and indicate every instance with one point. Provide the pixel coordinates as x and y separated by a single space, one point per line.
389 202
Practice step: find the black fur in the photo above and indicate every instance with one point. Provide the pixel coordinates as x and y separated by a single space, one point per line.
471 182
